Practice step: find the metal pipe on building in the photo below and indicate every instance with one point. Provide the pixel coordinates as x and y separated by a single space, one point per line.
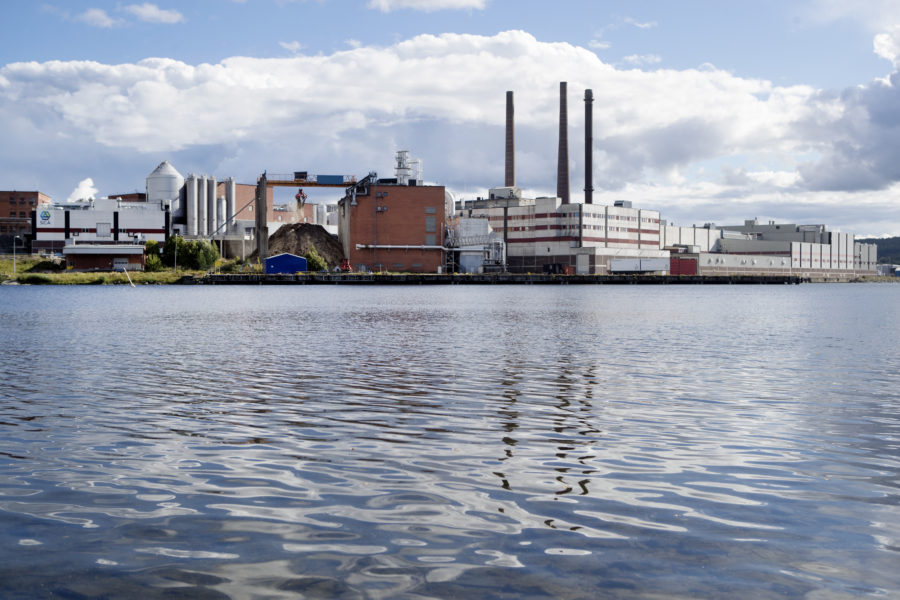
510 180
562 170
588 146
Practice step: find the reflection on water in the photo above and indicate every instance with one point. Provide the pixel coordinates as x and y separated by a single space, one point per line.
453 442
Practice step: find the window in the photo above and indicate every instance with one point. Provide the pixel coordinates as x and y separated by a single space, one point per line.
430 240
430 210
430 224
23 215
104 230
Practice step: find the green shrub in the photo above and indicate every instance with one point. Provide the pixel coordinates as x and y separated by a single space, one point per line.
314 262
193 254
153 263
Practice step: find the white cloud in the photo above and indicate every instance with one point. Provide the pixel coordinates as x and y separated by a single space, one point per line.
642 59
442 97
292 47
599 44
425 5
97 17
639 25
887 45
151 13
85 190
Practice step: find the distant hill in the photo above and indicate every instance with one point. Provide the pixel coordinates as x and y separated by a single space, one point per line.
888 249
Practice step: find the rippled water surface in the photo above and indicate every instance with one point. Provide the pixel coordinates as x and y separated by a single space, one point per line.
450 442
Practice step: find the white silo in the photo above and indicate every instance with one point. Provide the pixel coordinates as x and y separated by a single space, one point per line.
220 216
211 205
164 185
190 197
229 202
202 212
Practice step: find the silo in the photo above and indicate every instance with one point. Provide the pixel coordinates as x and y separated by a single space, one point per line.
211 205
220 216
320 214
229 201
202 225
191 204
164 185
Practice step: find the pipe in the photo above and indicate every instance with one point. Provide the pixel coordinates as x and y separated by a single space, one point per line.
398 247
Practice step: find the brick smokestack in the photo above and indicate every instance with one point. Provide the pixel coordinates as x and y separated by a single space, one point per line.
588 146
562 170
510 142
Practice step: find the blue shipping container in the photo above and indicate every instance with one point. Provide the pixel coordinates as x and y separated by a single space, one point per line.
285 264
330 179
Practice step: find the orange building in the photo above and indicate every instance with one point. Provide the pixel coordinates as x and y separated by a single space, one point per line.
386 226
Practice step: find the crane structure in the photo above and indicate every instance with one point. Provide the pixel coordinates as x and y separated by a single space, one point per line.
300 179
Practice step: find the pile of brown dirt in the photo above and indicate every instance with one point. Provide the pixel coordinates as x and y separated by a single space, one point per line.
299 238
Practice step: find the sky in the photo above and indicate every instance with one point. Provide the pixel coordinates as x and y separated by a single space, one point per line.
708 111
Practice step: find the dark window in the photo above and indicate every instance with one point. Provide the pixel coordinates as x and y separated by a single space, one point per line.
430 240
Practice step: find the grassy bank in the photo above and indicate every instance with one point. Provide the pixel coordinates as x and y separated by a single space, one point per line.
28 270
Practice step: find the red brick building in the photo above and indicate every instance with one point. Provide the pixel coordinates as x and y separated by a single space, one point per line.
385 226
104 257
15 214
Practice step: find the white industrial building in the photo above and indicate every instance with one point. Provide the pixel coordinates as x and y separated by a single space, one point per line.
98 221
544 234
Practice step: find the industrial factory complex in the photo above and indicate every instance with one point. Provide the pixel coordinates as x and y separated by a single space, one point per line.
403 224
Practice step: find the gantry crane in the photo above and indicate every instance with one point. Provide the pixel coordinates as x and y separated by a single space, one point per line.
300 179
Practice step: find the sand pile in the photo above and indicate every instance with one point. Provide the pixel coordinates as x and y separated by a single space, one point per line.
300 237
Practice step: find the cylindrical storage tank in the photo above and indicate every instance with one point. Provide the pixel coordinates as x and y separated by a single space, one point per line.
211 203
320 214
164 185
202 208
191 204
230 190
220 216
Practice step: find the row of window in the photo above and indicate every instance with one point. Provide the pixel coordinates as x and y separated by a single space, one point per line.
22 201
22 214
14 229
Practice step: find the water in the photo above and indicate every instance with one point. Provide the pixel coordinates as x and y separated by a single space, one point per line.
450 442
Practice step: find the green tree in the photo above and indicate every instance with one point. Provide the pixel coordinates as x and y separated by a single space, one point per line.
191 254
314 262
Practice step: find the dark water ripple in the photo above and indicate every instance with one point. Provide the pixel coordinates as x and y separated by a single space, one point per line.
416 442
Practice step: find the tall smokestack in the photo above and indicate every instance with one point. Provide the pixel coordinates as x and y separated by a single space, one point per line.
510 142
562 171
588 146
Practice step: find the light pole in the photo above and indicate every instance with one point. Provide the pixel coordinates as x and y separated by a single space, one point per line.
175 239
14 254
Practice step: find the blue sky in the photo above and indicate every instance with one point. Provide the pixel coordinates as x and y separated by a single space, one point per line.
706 110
